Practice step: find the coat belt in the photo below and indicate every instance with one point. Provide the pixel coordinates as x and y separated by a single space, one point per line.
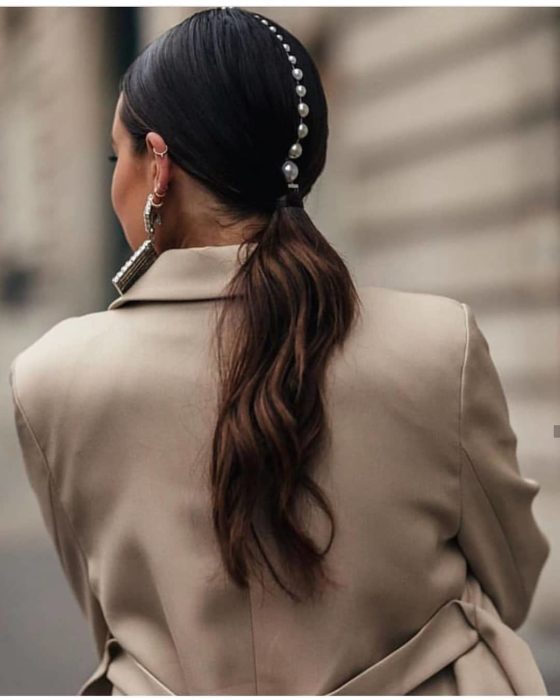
488 657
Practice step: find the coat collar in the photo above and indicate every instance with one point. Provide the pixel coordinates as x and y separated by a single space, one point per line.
185 274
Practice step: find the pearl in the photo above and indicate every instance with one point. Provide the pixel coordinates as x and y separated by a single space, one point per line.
290 171
296 150
289 168
302 130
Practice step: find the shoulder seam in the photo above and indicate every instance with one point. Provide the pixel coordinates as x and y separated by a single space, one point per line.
53 486
463 368
465 453
19 406
460 419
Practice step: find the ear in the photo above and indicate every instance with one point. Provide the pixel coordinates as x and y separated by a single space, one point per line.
159 164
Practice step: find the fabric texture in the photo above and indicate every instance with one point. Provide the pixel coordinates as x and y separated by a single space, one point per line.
437 551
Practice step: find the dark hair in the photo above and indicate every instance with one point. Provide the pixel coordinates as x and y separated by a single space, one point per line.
218 88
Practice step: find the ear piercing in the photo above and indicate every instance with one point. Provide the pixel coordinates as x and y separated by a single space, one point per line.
156 191
160 195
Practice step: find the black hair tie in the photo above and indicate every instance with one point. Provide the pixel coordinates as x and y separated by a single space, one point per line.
291 199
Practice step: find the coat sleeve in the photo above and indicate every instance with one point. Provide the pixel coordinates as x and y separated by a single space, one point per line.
500 538
59 528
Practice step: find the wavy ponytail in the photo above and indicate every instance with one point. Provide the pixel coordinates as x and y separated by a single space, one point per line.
218 89
297 303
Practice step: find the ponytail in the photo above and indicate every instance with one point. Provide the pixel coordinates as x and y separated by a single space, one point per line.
293 302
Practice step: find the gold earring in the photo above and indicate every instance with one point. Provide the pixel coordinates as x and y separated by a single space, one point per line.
151 217
160 196
146 254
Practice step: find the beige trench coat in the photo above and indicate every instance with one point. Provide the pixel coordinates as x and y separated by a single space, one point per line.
437 550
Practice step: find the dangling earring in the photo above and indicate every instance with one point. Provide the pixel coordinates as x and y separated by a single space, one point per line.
146 254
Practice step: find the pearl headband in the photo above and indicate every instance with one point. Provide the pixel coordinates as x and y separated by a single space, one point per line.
289 169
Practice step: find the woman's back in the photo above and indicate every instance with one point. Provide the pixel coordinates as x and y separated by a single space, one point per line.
115 413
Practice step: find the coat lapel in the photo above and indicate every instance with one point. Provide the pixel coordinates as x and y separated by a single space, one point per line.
186 274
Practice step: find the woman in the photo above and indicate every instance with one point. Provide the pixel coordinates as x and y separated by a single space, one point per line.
258 478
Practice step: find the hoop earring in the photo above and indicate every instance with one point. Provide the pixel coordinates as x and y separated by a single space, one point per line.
146 254
160 195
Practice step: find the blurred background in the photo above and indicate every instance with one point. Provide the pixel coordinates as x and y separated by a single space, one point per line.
443 176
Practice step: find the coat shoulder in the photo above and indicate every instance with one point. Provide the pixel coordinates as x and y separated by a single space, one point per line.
393 298
45 369
421 325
